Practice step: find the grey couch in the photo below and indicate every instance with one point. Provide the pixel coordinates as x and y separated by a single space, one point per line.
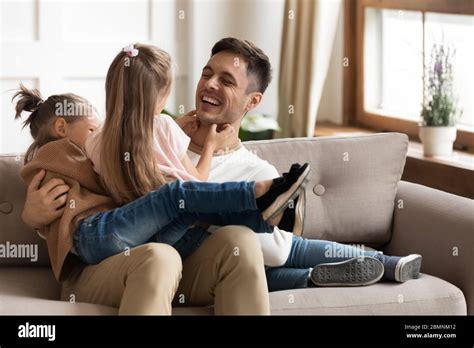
355 196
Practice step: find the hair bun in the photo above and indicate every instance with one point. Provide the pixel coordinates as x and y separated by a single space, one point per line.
26 100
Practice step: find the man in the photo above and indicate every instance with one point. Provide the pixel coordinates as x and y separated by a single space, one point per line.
232 83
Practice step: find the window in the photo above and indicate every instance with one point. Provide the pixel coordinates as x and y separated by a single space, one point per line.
394 43
458 31
393 62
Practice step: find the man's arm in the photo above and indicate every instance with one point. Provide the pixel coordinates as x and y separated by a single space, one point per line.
46 204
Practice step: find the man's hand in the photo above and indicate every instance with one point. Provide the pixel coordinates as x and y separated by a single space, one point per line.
189 123
44 205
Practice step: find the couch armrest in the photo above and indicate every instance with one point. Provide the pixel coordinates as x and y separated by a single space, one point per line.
439 226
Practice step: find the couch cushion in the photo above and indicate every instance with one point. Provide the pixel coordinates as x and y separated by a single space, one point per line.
14 234
35 291
424 296
353 182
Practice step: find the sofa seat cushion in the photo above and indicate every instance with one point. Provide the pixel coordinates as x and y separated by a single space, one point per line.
16 305
35 291
424 296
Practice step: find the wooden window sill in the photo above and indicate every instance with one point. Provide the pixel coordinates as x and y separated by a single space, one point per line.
454 173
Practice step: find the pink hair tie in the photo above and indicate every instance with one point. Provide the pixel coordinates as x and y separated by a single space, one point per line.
130 50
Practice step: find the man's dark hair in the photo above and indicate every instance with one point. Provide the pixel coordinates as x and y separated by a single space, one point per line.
258 63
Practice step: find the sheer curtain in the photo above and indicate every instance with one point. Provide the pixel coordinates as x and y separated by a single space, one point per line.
309 30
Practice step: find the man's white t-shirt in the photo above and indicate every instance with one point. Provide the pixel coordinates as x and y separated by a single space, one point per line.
244 165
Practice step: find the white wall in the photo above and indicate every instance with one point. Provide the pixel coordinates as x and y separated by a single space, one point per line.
67 46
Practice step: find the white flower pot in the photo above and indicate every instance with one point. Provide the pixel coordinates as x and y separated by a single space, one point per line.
437 141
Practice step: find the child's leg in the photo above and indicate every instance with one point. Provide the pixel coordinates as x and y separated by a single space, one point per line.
306 253
177 204
230 203
173 232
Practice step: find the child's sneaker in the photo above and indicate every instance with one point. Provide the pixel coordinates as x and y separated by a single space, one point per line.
294 216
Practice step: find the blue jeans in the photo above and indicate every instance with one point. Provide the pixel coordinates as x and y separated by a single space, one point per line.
304 255
165 215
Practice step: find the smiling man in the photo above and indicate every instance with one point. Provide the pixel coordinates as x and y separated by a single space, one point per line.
232 83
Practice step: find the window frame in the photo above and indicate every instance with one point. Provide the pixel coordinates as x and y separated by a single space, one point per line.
355 14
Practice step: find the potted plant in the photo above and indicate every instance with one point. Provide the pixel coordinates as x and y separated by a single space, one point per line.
257 127
439 113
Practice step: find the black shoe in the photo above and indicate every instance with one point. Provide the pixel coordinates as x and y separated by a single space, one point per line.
358 271
293 216
283 189
400 269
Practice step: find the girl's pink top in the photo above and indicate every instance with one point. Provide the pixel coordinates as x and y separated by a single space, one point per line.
170 145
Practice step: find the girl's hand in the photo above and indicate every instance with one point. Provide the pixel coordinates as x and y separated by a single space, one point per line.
217 139
189 123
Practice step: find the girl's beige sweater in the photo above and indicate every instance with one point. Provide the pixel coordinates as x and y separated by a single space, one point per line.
65 160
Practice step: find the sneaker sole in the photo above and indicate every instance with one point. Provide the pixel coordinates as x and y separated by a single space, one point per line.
300 213
409 269
359 271
282 201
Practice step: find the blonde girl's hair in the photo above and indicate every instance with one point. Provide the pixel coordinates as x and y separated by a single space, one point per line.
133 86
43 113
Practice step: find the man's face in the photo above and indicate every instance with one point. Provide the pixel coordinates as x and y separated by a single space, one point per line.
221 95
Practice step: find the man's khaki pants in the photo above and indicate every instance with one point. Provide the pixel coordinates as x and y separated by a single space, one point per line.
227 270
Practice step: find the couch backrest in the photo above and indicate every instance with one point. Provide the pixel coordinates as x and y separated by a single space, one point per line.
350 197
15 236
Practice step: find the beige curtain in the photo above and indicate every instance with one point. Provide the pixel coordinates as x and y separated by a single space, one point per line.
309 30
